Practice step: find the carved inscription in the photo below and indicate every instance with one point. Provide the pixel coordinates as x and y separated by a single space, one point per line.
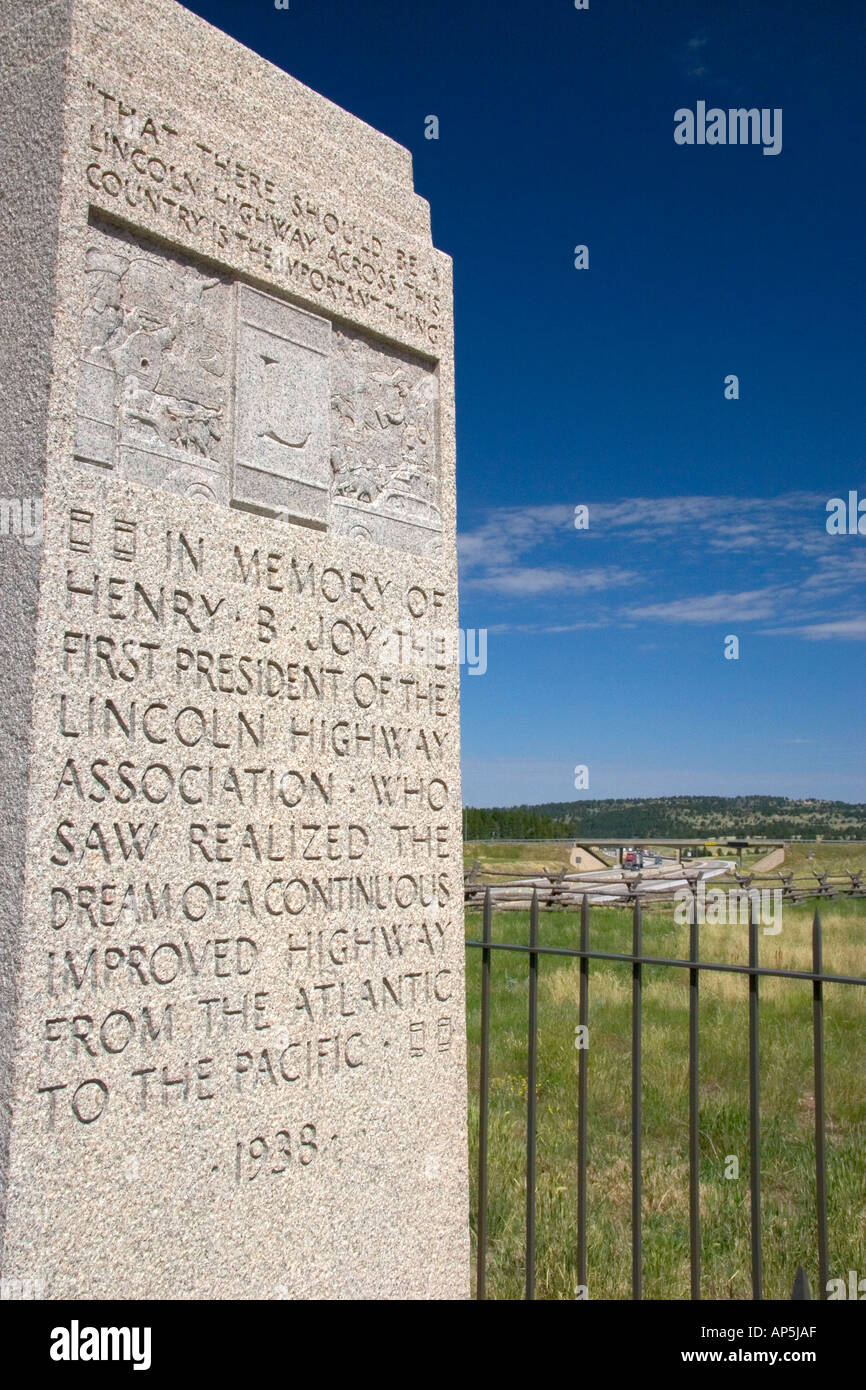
213 389
251 865
135 162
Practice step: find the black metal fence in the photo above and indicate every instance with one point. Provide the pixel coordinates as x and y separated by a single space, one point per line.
694 965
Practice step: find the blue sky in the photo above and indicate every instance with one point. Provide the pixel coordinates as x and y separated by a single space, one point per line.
606 386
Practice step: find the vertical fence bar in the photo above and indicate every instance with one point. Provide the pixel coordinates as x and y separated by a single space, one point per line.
484 1101
694 1113
531 1098
636 1097
754 1110
820 1120
582 1080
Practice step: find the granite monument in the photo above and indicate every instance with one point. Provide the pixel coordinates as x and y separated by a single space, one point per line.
232 1032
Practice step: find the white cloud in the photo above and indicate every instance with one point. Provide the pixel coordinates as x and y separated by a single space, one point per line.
853 629
548 629
529 581
792 521
509 532
669 549
749 606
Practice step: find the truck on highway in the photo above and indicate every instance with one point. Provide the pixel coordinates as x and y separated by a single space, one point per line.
640 859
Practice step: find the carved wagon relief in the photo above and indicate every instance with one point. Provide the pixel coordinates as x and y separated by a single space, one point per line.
207 387
154 396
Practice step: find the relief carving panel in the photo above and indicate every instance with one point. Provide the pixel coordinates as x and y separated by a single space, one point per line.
384 454
196 384
281 461
154 395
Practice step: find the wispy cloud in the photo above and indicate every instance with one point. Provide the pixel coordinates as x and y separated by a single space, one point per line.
678 555
539 629
724 523
752 605
691 56
854 629
790 522
509 532
532 581
842 565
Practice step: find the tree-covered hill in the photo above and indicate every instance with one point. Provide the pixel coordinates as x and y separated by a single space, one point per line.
671 816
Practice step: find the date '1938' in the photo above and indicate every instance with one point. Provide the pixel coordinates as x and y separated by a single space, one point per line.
278 1153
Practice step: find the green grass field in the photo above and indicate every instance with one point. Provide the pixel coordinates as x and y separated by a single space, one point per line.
515 857
787 1103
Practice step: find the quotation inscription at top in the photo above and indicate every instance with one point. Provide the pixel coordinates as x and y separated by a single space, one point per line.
137 162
